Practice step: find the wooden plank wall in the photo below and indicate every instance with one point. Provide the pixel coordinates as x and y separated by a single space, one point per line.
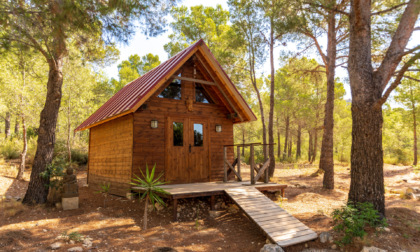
149 144
110 155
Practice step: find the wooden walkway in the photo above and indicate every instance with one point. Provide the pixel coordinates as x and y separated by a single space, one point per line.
281 227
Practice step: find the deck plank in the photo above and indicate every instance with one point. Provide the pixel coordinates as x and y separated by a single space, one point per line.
281 227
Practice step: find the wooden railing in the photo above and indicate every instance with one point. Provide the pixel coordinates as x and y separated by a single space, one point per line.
255 172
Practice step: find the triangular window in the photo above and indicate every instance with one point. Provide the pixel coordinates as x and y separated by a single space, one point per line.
201 94
173 90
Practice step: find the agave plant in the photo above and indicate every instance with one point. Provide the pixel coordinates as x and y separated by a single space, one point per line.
150 190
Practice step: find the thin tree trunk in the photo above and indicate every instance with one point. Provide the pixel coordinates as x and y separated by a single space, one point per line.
7 125
146 206
260 103
326 160
21 170
310 146
413 104
298 142
289 152
286 137
17 126
271 115
315 148
278 140
37 190
24 151
69 131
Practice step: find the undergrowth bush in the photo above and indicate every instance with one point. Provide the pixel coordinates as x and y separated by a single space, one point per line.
10 148
353 219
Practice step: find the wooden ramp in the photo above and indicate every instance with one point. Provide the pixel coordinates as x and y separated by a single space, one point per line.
281 227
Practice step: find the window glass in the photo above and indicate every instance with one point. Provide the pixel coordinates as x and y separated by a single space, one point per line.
173 91
201 95
198 134
178 134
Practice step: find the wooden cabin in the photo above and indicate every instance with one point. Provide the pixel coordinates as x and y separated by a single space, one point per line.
177 116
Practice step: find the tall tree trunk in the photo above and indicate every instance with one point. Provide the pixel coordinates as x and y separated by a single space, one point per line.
69 131
367 182
37 190
271 115
17 126
286 137
24 150
326 161
310 146
7 125
278 140
414 130
298 142
24 138
289 152
260 103
315 148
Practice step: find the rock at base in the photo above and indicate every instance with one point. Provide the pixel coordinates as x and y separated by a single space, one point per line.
215 214
70 203
324 237
271 248
56 245
75 249
372 249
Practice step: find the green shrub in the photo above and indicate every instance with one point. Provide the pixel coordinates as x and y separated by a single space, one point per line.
352 219
79 156
10 148
55 172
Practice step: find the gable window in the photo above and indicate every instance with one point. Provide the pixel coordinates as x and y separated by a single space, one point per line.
201 95
172 91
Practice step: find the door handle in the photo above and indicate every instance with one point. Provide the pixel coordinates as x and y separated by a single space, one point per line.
190 148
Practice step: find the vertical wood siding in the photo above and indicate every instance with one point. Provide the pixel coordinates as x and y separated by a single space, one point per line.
149 144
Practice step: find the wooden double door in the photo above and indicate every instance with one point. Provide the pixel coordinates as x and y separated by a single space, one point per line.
187 150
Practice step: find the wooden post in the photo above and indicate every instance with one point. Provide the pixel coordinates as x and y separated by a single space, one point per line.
266 175
225 177
251 160
175 206
238 154
212 202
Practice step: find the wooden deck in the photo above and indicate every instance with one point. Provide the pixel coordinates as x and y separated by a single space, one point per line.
281 227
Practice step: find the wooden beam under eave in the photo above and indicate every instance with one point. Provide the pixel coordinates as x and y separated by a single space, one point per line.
219 88
230 89
194 80
158 85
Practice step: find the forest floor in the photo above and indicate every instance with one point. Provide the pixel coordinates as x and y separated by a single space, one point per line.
117 226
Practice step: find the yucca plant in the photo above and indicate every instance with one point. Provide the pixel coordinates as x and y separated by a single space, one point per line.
104 190
150 190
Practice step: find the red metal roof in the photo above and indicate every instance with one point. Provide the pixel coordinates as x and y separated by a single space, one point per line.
127 98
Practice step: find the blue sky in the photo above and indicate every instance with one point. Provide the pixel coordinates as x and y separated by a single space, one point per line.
141 45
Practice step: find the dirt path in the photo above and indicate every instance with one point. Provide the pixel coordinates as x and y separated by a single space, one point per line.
117 226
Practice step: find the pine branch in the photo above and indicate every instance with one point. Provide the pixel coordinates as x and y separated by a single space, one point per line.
397 80
388 10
